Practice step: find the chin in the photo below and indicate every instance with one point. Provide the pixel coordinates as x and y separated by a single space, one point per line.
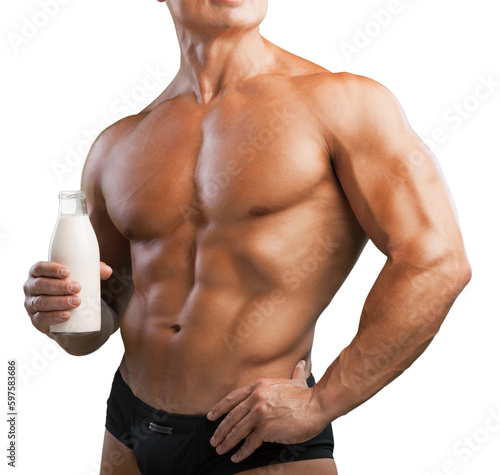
239 18
221 14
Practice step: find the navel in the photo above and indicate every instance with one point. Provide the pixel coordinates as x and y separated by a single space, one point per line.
176 328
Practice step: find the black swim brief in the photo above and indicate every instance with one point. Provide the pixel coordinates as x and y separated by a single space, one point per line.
179 444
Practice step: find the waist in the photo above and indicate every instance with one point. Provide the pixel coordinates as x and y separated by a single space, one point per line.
212 346
217 334
144 410
188 372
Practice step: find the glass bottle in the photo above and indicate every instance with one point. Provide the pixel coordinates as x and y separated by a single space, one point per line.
74 245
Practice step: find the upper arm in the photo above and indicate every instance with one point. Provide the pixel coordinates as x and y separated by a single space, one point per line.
114 248
391 179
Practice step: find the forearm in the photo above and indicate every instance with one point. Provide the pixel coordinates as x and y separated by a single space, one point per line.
85 344
401 315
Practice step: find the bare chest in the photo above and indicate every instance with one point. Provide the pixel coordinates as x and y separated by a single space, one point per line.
226 165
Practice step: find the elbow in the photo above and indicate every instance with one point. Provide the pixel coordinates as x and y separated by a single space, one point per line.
82 345
80 351
439 273
465 272
444 264
455 270
451 277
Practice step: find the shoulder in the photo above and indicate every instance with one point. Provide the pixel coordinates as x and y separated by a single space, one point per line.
104 147
355 96
114 134
352 109
115 142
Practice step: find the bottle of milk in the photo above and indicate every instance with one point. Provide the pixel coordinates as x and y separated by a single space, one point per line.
74 245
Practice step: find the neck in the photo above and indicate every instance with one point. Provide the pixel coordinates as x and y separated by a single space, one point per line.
209 65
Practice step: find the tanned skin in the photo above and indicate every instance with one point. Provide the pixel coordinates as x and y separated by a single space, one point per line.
239 201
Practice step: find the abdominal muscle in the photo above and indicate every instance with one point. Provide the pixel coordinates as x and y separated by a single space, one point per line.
239 309
221 340
187 368
232 313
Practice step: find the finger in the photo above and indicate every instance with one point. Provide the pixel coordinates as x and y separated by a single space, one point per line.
238 432
49 269
229 422
228 402
46 303
299 373
43 320
51 286
106 271
251 444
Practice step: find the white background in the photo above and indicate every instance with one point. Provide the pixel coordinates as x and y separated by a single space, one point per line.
73 76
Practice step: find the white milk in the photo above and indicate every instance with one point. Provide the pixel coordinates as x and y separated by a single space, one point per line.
74 245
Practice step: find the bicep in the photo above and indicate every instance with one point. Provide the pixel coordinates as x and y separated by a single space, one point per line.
393 182
114 248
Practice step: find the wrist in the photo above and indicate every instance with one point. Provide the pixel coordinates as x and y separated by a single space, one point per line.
321 410
328 403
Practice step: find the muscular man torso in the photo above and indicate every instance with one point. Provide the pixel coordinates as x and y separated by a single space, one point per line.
231 210
236 228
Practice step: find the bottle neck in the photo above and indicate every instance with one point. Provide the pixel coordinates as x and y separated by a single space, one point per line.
73 203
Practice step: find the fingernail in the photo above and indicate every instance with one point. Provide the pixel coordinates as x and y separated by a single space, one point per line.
73 287
234 458
65 316
63 272
74 300
210 415
303 363
219 449
212 441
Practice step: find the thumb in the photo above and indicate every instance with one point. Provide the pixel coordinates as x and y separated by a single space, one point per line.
299 372
106 271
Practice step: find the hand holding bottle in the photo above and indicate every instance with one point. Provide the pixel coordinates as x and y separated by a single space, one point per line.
49 292
55 302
